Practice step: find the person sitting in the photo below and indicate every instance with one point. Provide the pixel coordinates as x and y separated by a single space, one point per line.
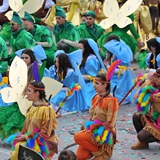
103 116
153 57
67 72
147 125
89 29
42 36
40 124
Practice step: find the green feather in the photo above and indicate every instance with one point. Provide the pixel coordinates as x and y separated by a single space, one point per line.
41 69
155 115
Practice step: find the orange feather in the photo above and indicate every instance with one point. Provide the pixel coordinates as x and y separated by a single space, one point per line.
111 69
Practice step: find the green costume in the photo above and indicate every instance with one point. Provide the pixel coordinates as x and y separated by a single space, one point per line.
93 32
21 39
5 32
66 31
3 56
42 34
11 120
122 34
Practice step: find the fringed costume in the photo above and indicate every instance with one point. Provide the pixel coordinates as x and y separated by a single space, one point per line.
147 118
100 131
39 128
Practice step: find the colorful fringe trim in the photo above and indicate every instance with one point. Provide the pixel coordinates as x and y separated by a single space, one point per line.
36 143
101 134
143 98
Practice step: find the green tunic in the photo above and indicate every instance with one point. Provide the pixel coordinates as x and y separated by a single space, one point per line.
3 55
11 120
122 34
5 32
21 40
93 32
66 31
43 34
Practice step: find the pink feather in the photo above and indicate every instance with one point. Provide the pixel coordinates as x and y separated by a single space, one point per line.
158 121
111 69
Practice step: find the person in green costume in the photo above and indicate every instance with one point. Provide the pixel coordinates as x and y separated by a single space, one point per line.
20 38
42 36
132 42
64 29
89 29
3 56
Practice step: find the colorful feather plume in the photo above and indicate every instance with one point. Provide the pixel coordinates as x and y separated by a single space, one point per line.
35 72
74 87
140 79
111 69
101 134
143 99
36 143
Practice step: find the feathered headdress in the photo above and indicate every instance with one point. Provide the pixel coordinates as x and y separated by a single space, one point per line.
111 69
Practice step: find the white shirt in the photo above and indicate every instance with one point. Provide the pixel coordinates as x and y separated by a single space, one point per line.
4 6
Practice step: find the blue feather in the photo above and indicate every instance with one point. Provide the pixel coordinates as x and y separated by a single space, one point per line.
10 139
146 97
31 143
100 130
107 138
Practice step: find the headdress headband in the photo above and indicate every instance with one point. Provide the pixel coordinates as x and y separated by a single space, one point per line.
35 88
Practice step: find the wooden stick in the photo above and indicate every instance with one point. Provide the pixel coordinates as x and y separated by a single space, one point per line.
127 93
62 102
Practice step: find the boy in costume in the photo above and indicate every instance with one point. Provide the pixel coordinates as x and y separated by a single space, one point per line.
20 38
42 36
64 29
89 29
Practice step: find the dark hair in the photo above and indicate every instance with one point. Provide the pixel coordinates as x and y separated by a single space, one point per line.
67 155
87 51
63 46
42 94
153 42
30 53
64 64
84 15
113 37
158 70
102 76
122 2
155 17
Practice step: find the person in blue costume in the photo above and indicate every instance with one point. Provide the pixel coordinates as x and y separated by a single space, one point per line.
66 71
36 54
90 66
3 84
153 57
122 80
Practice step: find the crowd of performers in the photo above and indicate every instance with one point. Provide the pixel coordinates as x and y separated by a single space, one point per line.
95 66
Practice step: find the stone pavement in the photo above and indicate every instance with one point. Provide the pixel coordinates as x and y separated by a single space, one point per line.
126 136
